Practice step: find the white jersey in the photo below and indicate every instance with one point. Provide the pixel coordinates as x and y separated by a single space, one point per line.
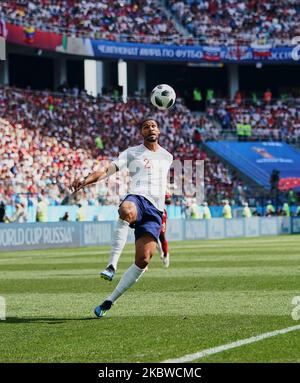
148 172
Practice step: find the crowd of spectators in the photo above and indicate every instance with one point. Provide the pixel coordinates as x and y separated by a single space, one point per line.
276 120
47 139
210 22
218 21
134 20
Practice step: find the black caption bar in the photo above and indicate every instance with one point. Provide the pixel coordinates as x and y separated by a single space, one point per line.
128 372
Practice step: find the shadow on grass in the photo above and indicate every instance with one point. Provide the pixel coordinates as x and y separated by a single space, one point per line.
15 320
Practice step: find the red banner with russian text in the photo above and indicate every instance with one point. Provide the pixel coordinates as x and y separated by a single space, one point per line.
30 36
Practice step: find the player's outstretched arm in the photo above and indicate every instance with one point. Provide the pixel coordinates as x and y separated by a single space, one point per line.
92 178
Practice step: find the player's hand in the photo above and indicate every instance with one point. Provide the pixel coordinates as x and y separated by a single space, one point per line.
76 185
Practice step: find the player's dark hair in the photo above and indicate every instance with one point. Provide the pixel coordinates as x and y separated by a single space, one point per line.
147 118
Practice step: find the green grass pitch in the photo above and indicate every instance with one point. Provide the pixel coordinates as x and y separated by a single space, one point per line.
214 293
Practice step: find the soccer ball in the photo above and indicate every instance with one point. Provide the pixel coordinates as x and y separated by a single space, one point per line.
163 96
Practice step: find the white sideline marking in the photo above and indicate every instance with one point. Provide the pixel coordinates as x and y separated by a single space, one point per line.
216 350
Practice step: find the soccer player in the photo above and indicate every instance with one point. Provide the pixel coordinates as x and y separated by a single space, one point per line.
142 208
120 241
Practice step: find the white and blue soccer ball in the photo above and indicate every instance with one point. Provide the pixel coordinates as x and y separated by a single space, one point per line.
163 96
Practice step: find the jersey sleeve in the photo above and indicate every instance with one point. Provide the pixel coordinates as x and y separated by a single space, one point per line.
122 161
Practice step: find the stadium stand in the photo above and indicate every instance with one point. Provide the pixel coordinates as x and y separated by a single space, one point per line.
50 137
276 120
206 22
140 20
47 137
219 21
258 160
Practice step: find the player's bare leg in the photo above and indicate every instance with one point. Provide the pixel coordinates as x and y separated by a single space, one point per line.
127 215
144 249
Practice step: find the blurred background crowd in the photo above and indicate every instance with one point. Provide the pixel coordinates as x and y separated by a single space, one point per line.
202 21
50 138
